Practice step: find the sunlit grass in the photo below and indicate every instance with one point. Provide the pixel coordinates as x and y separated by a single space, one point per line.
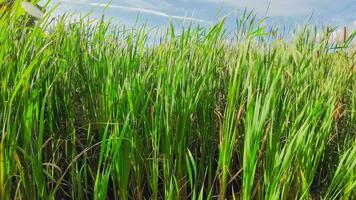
89 110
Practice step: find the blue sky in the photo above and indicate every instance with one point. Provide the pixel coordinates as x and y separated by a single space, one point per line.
205 12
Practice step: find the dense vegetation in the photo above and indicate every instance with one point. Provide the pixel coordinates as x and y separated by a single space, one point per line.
95 111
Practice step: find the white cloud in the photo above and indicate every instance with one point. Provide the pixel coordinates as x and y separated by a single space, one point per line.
275 7
152 12
143 10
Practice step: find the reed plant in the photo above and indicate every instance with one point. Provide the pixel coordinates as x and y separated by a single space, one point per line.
93 110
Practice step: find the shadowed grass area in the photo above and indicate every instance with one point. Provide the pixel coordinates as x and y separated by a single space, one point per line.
90 110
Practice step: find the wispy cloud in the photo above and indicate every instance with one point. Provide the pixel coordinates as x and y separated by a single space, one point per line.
278 7
143 10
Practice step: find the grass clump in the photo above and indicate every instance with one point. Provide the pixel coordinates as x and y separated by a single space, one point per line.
93 111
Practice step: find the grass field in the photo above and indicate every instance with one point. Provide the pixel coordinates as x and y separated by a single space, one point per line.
90 110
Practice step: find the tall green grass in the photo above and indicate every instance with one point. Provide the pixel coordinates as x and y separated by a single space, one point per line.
89 110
